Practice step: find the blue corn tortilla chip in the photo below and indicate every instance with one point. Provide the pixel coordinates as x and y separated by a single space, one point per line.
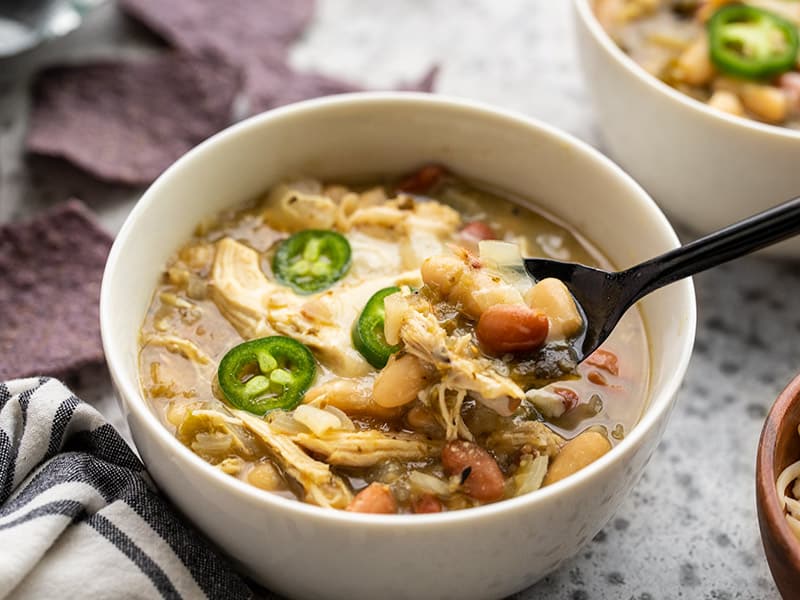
426 83
126 122
238 30
255 34
50 273
275 84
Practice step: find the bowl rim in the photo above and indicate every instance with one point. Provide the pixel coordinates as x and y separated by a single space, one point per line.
767 475
583 8
659 405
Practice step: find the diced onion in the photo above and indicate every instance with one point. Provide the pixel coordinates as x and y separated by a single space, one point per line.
212 443
502 254
427 484
215 416
507 259
530 474
550 404
395 306
317 420
345 423
283 422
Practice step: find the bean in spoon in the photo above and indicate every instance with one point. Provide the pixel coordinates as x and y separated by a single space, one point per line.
605 296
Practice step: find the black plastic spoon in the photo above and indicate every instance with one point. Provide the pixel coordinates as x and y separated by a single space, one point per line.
605 296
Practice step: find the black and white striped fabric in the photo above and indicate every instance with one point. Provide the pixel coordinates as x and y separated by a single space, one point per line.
79 517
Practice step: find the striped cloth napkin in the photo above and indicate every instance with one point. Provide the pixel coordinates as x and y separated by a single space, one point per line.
80 518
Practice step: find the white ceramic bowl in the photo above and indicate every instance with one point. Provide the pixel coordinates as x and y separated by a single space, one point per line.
307 552
705 168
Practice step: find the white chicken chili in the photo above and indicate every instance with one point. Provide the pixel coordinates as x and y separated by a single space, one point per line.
381 349
741 57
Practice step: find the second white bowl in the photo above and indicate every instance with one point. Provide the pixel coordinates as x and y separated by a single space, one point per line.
705 168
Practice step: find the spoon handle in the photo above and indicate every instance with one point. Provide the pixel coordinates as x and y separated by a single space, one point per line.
765 228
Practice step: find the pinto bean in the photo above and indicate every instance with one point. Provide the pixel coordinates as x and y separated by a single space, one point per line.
483 479
570 397
478 231
596 377
422 180
506 328
580 451
376 498
427 503
603 359
400 381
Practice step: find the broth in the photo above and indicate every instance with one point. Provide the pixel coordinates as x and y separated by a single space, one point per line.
447 437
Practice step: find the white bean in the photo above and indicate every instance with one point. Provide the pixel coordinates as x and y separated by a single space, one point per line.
552 297
580 451
727 102
766 102
694 65
400 381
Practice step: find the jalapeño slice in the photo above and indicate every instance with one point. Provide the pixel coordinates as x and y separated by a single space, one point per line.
265 374
311 260
750 42
368 336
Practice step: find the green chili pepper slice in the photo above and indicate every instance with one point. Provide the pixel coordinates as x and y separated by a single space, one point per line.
368 336
265 374
311 260
750 42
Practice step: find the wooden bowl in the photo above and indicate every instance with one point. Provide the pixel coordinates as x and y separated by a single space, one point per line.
779 447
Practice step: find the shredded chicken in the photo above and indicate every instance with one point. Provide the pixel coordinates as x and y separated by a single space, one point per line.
459 363
403 215
368 448
239 288
447 409
438 388
178 345
299 205
257 307
389 217
214 435
320 485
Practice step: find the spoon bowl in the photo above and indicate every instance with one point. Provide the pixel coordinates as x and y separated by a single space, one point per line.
604 296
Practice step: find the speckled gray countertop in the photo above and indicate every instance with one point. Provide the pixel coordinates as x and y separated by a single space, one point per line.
689 529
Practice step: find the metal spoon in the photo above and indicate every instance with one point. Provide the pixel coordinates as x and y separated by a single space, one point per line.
605 296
